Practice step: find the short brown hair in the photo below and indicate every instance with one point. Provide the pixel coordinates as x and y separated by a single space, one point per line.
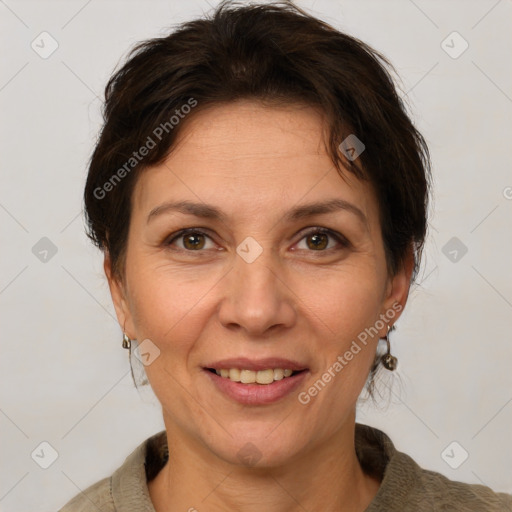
273 53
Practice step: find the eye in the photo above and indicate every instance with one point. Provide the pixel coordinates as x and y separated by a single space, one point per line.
317 240
192 240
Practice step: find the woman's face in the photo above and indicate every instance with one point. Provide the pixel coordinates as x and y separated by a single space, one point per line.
254 281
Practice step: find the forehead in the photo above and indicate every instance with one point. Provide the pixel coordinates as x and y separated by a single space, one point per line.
250 157
247 139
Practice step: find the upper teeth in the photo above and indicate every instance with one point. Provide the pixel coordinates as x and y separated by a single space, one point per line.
250 376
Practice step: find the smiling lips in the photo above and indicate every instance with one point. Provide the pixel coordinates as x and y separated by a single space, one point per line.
253 393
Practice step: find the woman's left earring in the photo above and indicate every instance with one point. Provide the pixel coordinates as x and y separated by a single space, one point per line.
388 361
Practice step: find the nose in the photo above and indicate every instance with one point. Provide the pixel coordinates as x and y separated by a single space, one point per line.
256 297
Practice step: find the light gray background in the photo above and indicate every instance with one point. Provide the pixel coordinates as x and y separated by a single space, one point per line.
65 378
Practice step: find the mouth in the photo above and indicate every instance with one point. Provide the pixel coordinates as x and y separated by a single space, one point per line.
251 382
261 377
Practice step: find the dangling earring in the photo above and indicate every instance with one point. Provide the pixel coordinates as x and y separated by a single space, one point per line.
127 342
388 361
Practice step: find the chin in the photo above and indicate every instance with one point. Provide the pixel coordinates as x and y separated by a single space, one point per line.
257 448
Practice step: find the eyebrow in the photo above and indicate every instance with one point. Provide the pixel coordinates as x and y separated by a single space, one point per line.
207 211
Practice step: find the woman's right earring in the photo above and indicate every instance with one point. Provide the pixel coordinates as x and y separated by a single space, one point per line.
127 342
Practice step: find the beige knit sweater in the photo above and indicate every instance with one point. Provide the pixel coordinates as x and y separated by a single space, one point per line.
405 487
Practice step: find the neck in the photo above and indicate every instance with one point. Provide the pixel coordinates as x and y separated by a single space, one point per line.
326 478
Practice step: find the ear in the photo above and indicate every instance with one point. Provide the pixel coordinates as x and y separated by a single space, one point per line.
119 298
397 293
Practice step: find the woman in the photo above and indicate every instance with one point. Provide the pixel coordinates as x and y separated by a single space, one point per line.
260 196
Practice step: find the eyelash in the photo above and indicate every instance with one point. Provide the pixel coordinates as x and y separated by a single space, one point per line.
317 230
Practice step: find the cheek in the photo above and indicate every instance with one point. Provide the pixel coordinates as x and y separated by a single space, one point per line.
168 306
345 303
346 308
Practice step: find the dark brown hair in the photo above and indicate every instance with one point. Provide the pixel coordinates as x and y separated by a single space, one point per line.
272 53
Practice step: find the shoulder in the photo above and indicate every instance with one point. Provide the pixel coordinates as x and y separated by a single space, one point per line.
405 486
429 490
126 489
97 497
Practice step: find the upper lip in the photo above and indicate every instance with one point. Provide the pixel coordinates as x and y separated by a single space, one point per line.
244 363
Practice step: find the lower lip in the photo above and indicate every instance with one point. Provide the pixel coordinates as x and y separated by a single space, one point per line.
257 394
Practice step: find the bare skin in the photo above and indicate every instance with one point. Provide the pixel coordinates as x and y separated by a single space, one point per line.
306 297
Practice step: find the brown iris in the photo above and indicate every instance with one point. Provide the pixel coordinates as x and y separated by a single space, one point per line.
320 241
196 241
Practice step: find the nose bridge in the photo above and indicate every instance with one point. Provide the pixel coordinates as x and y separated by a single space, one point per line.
256 273
256 299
